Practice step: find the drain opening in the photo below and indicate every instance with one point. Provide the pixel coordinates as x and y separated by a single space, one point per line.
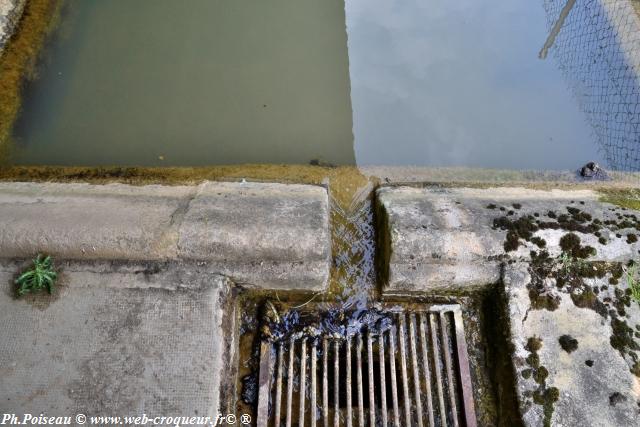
412 371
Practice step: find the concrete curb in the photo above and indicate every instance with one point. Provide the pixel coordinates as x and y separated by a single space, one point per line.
272 236
436 239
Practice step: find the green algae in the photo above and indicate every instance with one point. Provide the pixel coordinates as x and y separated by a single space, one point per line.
19 58
624 198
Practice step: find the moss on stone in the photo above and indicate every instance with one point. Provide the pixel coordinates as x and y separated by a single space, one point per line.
541 301
539 242
534 344
546 397
584 297
622 337
520 228
533 360
568 343
540 375
570 243
512 242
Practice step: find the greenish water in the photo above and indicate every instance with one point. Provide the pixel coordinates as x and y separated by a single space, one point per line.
361 82
197 83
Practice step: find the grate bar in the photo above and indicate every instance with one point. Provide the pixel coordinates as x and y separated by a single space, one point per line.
431 356
290 382
427 373
303 380
447 362
416 374
279 385
438 367
403 363
465 375
313 385
263 381
349 399
394 387
383 383
336 384
372 394
359 372
325 382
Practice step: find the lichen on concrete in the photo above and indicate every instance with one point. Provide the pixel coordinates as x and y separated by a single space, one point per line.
578 360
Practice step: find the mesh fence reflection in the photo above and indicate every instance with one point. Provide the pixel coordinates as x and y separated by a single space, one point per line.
597 46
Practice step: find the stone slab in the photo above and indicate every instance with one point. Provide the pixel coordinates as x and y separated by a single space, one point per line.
437 239
82 221
273 234
594 383
114 343
262 235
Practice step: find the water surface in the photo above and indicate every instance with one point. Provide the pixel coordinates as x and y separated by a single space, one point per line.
365 82
205 82
444 83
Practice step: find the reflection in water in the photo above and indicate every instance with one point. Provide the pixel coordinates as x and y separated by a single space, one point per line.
431 83
442 83
212 82
598 49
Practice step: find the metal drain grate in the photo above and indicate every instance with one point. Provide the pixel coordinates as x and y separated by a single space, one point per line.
415 372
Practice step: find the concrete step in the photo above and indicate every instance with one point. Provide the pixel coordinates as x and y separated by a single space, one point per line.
261 235
436 239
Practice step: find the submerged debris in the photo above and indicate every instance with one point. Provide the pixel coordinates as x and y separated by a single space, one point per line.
249 393
335 322
592 170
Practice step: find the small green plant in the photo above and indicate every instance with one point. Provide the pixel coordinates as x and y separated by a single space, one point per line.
569 264
40 276
633 282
